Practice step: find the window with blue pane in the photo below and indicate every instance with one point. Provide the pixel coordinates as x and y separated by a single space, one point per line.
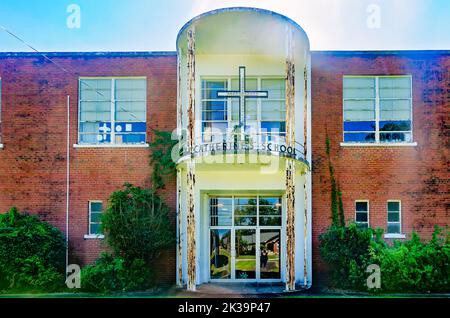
264 117
377 109
214 111
112 111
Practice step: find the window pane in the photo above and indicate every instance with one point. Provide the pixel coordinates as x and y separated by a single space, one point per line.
244 221
131 89
361 206
359 87
270 221
215 105
398 109
359 110
214 131
131 111
359 126
395 87
95 111
359 137
273 127
273 110
361 216
393 206
210 88
220 211
395 126
96 217
250 84
275 88
362 225
270 254
251 109
94 228
96 206
95 89
393 228
393 217
220 254
246 210
130 138
395 137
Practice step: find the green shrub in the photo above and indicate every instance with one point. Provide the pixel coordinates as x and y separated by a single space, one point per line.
415 265
32 253
115 274
409 266
136 224
346 251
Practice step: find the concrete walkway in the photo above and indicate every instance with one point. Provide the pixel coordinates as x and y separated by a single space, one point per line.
235 290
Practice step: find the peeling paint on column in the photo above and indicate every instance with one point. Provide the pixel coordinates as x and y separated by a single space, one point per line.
179 224
305 184
190 136
179 214
290 164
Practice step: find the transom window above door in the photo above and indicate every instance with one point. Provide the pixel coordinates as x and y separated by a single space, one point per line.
377 109
265 117
112 110
245 211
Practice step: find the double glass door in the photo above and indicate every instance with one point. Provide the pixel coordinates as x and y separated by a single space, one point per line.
245 238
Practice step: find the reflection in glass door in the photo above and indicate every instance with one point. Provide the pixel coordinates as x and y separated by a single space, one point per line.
270 254
245 259
220 254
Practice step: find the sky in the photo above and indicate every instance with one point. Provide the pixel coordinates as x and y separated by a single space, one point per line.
152 25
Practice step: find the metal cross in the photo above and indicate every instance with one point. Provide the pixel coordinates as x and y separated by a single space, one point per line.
242 94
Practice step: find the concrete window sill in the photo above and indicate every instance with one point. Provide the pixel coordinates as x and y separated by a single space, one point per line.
94 237
392 235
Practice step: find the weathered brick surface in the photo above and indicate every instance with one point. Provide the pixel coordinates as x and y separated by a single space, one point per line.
33 130
33 161
418 176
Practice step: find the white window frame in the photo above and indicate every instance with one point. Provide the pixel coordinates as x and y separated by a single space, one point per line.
93 235
112 144
377 142
229 121
368 212
394 235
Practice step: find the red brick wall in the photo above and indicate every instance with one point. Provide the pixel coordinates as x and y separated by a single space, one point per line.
33 161
418 176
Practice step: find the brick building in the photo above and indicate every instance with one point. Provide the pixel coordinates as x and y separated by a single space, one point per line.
386 114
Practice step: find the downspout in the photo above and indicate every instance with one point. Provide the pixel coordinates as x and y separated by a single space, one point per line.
67 182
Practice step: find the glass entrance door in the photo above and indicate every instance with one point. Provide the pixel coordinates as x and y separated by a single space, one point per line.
245 238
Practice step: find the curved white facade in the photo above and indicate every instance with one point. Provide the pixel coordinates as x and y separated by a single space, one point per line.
244 201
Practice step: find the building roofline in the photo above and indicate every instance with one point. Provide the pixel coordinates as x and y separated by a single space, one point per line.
174 53
87 54
380 52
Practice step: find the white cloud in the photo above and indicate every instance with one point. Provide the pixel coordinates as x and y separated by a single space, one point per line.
339 24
